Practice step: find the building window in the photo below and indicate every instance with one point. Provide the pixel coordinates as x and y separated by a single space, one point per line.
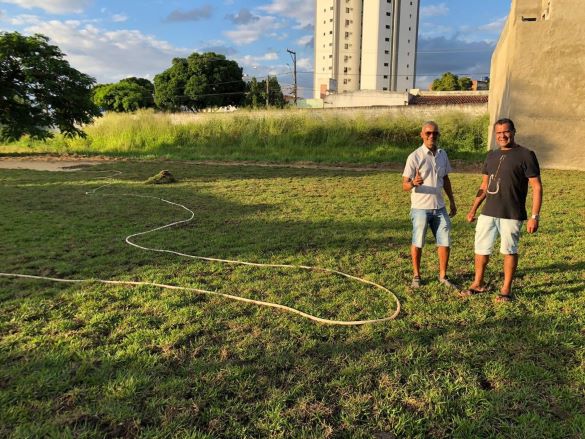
385 76
385 64
387 26
385 88
346 46
388 39
387 14
387 52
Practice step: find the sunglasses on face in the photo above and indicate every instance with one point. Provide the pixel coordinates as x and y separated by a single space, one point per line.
432 133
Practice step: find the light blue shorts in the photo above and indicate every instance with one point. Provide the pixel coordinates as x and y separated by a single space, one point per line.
437 219
487 230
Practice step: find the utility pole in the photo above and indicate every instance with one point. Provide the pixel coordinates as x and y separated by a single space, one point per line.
293 55
267 90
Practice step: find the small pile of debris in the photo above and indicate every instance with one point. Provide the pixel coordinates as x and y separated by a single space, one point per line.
163 177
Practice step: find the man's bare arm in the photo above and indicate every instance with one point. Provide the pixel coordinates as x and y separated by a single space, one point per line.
536 185
479 198
449 191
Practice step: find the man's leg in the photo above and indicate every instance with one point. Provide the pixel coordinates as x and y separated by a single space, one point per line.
416 254
419 230
441 228
443 253
485 235
510 264
481 262
510 234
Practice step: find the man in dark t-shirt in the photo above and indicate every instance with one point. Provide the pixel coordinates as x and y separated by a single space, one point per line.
507 172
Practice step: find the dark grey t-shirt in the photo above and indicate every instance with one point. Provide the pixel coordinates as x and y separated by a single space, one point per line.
508 173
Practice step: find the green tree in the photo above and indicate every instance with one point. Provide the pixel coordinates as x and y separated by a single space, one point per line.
256 93
40 91
199 81
129 94
447 82
465 83
253 94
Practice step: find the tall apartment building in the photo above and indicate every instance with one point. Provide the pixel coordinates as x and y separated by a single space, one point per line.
365 45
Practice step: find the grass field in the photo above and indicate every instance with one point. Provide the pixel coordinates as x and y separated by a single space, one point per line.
287 136
92 360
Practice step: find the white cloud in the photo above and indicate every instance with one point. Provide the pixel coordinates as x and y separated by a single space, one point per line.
305 64
434 10
427 30
107 55
254 61
119 18
303 41
53 6
495 26
303 11
247 34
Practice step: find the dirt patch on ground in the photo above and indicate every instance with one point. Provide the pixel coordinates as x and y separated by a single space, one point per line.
51 162
65 163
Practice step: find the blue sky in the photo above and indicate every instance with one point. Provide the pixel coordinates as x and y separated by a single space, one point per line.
113 39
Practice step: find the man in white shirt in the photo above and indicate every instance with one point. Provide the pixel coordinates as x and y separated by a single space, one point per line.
426 176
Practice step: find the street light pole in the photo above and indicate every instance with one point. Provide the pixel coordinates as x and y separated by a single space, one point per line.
293 55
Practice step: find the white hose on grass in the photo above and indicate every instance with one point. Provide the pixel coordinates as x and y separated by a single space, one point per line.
128 240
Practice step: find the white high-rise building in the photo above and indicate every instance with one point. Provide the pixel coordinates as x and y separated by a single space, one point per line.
365 45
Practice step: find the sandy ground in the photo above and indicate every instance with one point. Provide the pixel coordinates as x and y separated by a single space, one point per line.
49 163
72 163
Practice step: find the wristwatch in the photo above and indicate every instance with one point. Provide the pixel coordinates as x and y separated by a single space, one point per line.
535 217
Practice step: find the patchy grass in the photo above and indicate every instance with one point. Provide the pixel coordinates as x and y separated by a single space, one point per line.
293 136
91 360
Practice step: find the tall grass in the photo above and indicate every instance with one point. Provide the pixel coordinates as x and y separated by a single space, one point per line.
365 137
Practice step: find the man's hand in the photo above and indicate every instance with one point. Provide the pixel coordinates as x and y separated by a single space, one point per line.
471 216
532 225
418 180
452 210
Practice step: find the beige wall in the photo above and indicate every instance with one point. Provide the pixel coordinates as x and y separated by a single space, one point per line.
537 79
365 98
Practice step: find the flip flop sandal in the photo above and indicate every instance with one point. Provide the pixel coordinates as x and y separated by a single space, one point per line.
501 298
471 292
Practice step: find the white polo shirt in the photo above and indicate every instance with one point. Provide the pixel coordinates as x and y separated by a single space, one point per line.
432 169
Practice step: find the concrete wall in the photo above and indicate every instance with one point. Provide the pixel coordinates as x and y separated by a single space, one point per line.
365 98
536 79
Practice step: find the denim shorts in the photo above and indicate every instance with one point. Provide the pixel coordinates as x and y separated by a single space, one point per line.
487 230
437 219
